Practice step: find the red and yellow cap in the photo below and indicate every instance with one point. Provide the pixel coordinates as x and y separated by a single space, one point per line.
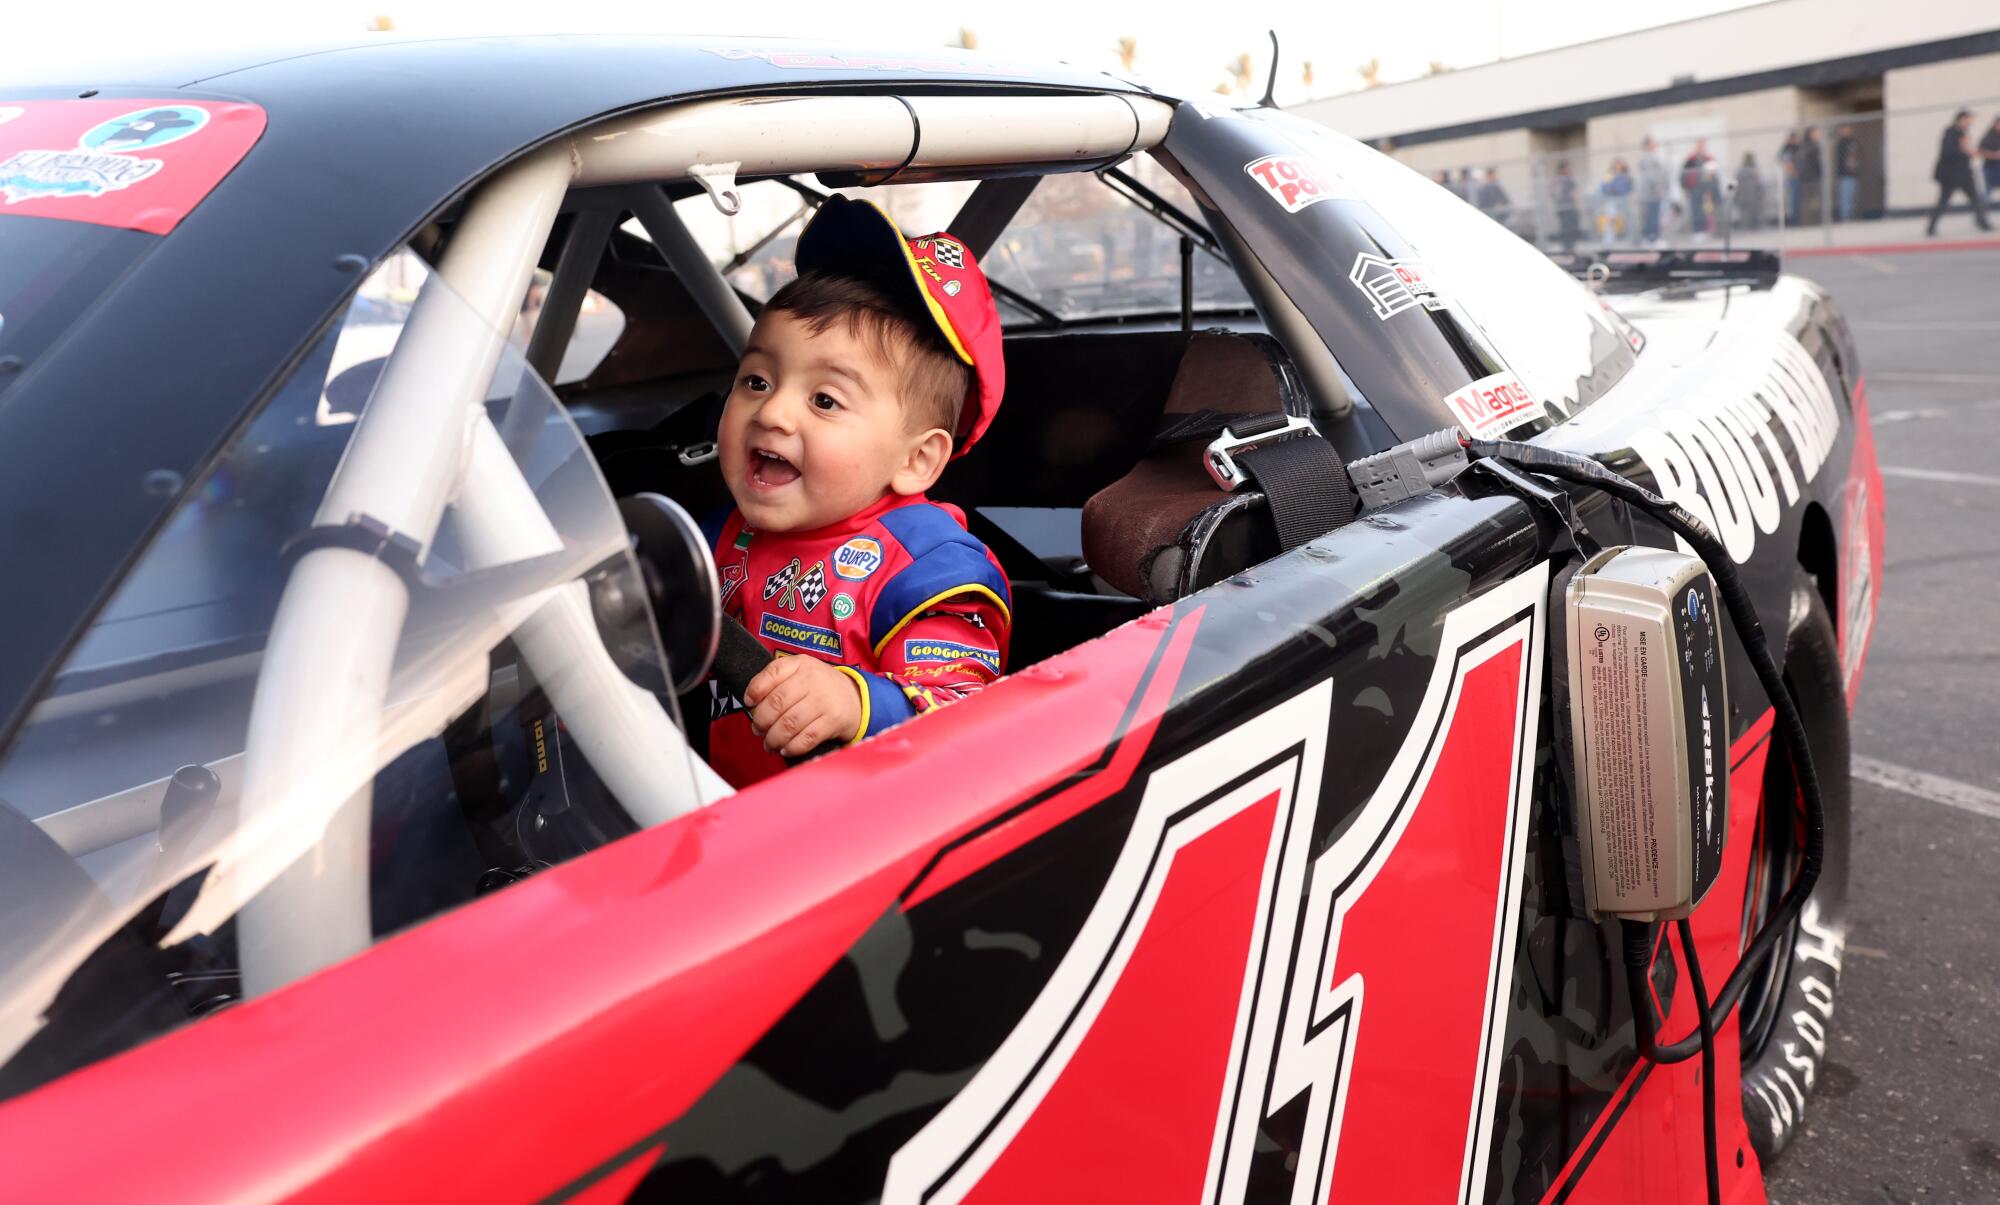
855 238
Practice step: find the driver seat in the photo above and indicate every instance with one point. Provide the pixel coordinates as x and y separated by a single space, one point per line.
1164 529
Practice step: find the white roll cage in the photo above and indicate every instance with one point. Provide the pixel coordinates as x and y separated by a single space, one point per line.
296 872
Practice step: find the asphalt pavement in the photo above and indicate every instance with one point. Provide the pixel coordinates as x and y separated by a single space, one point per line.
1908 1107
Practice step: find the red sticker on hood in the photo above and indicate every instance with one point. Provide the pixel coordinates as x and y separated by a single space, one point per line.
134 164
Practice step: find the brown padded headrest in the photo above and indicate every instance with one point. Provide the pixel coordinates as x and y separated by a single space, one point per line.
1129 522
1224 372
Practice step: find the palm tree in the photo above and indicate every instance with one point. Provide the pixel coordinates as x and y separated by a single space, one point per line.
967 40
1306 75
1128 52
1437 67
1370 73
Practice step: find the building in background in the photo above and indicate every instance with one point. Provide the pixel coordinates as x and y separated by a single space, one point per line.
1861 89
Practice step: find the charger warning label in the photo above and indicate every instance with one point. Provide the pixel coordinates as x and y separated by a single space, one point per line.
1627 799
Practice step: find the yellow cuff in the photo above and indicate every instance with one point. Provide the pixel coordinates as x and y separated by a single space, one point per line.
861 685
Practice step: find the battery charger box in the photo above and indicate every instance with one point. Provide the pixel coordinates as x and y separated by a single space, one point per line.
1648 729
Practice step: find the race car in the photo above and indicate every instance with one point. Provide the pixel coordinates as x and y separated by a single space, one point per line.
359 841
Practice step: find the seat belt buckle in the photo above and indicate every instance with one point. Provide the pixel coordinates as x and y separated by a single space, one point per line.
1248 436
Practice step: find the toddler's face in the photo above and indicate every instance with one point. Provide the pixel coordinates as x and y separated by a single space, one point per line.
814 429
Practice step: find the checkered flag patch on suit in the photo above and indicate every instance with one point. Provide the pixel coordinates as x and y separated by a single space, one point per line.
781 580
812 587
949 254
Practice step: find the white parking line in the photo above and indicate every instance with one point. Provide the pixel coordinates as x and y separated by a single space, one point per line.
1935 788
1882 266
1913 474
1903 416
1867 324
1933 378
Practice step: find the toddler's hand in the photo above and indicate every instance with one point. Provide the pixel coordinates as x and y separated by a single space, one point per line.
799 703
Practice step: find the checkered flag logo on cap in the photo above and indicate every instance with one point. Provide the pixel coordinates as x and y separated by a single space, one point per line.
949 254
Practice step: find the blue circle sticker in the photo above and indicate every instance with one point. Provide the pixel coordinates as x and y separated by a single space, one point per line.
144 129
1694 604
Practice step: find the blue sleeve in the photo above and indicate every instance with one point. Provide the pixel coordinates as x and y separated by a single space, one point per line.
945 560
886 703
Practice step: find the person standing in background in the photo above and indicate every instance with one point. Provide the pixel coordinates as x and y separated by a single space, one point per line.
1468 186
1493 199
1846 172
1615 204
1749 194
1568 228
1989 150
1696 176
1953 172
1652 191
1788 166
1812 174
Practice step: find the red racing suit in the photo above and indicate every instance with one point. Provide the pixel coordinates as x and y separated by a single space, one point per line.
899 596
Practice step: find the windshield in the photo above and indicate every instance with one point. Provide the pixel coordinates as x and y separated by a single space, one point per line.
1563 342
1083 250
1079 250
294 731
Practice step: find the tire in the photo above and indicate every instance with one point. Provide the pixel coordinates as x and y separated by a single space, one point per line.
1787 1010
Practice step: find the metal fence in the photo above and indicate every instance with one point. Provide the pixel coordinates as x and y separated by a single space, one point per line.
1841 179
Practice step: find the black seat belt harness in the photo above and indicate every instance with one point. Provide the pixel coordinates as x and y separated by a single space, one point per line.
1301 475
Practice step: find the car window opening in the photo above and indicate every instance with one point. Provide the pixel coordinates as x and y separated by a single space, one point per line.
1094 517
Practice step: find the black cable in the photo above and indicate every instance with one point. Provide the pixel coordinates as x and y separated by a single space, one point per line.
1789 726
1638 985
1714 1177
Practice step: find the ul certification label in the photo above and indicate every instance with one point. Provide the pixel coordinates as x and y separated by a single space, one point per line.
1629 801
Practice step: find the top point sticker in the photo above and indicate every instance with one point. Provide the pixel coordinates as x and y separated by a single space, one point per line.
131 164
1296 182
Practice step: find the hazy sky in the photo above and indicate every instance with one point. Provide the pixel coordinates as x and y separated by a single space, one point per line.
1188 45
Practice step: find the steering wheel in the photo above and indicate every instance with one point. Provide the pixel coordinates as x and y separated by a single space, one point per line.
739 657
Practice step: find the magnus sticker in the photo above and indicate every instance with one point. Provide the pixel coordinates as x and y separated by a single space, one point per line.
1494 405
1394 285
1295 182
857 558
